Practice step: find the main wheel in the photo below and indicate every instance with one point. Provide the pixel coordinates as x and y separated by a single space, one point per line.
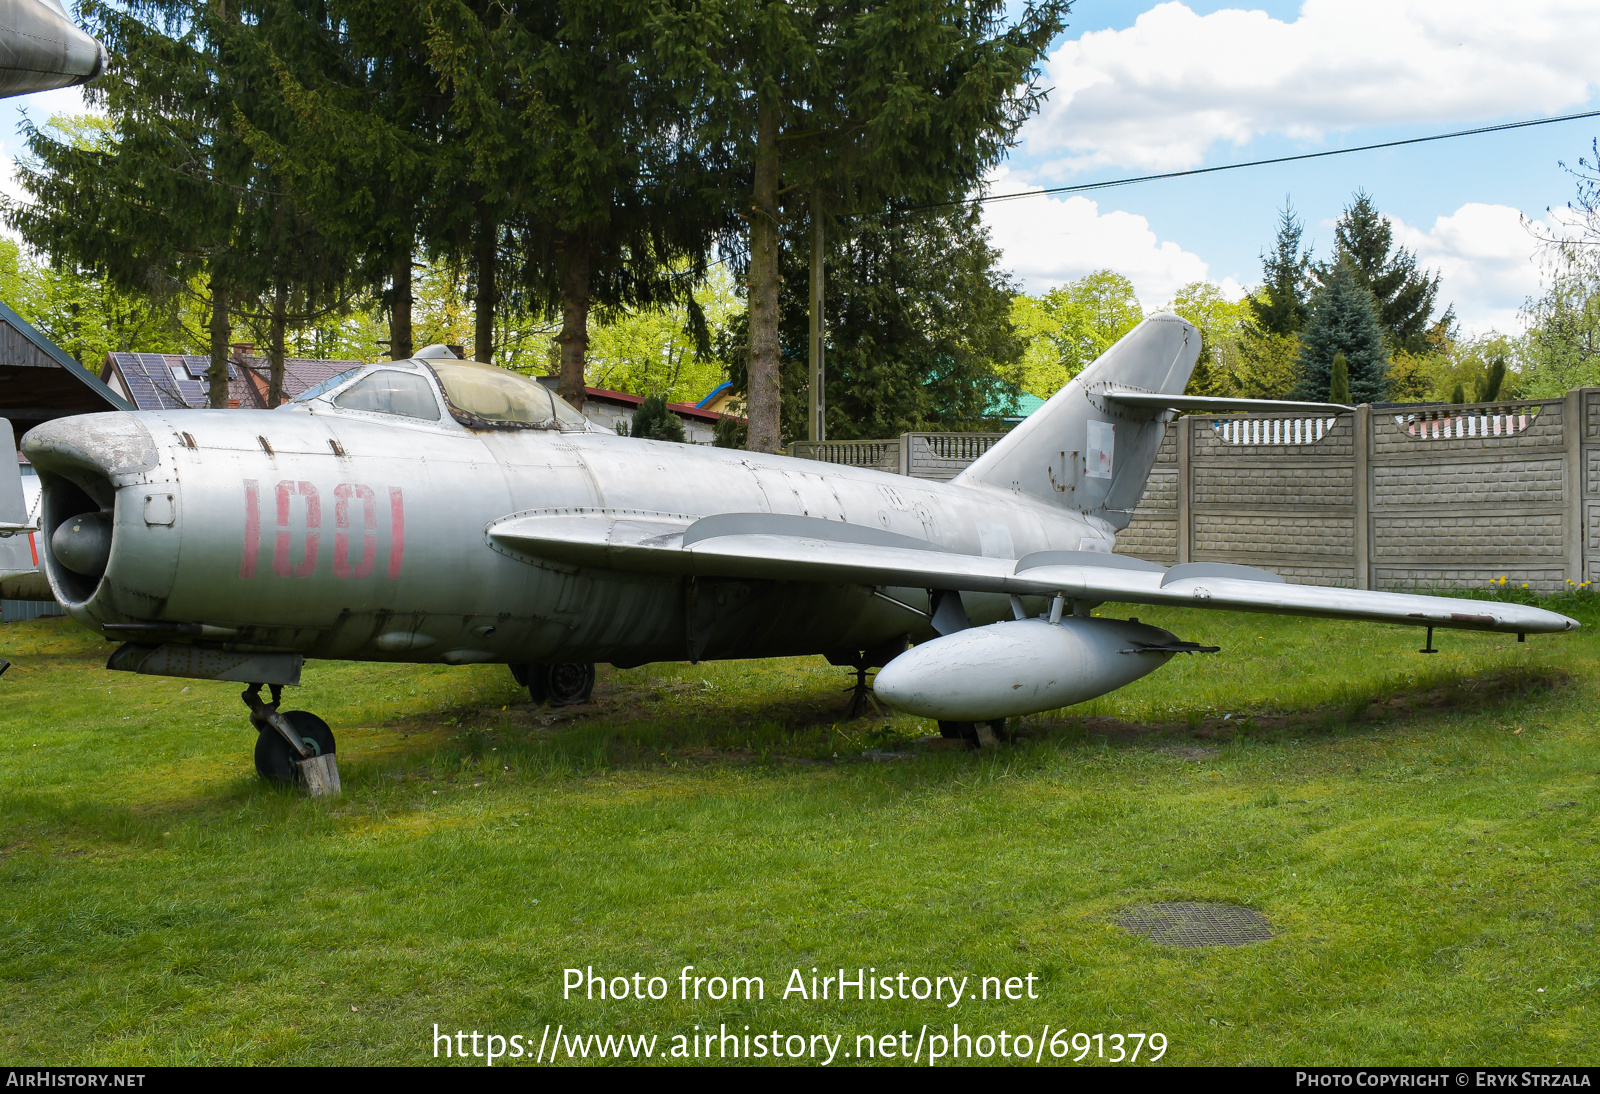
275 760
960 731
571 683
536 678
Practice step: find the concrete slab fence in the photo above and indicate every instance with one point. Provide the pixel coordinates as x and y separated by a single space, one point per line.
937 456
1385 498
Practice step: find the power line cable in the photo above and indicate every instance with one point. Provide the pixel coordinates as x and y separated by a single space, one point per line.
1112 183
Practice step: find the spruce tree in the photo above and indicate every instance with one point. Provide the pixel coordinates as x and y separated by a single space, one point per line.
919 328
1339 383
1344 320
579 118
157 206
1280 307
345 107
1405 294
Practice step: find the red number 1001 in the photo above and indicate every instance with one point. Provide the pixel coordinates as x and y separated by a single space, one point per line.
343 495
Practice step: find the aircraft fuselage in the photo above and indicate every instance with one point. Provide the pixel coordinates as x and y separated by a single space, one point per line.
341 534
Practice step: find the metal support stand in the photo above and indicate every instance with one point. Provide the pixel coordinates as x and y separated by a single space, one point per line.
861 697
1429 647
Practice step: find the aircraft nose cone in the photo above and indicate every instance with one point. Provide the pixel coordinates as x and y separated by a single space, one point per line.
83 544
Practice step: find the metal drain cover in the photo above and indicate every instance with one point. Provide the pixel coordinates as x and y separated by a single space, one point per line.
1193 925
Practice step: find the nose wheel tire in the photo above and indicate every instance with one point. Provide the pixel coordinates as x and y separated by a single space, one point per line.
276 762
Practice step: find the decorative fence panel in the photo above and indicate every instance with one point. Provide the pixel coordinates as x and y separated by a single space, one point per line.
878 455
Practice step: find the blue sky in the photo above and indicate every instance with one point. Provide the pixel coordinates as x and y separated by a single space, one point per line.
1140 87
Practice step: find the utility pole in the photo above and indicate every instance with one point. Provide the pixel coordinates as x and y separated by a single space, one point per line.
818 427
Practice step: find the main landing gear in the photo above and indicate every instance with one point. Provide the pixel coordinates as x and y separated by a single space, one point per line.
561 685
293 746
976 734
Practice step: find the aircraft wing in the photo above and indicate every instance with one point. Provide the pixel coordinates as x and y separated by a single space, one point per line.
765 546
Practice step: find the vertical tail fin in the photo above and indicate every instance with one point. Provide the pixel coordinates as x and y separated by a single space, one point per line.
13 506
1080 451
19 567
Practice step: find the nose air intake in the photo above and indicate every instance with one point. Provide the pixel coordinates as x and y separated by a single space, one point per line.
83 462
83 544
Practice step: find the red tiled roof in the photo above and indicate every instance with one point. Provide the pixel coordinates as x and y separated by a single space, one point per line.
173 381
683 410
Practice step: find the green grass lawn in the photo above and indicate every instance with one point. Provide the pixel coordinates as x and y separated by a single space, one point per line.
1419 830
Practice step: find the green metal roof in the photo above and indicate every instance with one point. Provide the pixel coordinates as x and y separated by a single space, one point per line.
1025 405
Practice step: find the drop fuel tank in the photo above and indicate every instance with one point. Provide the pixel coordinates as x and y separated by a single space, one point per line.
1021 667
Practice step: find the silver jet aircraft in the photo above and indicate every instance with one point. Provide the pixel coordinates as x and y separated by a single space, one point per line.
440 510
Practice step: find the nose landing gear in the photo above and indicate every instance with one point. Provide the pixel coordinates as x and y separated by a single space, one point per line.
292 746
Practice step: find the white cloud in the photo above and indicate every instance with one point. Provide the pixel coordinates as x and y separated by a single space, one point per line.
1159 94
1487 259
1047 241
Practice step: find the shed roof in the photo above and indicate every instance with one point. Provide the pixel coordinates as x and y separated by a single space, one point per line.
40 381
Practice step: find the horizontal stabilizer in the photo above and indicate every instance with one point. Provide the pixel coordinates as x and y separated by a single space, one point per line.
1156 401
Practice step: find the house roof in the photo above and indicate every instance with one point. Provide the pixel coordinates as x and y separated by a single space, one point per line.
176 381
623 398
1026 404
716 391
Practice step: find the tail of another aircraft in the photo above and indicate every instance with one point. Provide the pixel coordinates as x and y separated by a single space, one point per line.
1085 452
16 549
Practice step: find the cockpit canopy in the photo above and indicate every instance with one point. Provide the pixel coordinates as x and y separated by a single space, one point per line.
483 395
390 391
477 395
